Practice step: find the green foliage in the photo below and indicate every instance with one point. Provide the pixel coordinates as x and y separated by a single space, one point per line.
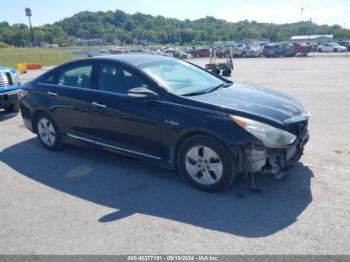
125 27
3 45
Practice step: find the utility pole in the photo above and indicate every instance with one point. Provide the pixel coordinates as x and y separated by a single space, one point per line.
301 13
309 31
29 14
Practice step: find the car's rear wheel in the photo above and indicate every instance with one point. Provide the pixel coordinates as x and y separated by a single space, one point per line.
335 50
243 55
48 132
319 50
206 163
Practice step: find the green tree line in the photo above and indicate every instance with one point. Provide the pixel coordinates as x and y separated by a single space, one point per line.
158 29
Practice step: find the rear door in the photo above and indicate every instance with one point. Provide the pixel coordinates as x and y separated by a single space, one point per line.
72 92
133 126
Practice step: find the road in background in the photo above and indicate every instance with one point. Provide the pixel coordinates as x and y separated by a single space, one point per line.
82 201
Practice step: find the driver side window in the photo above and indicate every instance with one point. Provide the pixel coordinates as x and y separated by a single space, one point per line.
116 79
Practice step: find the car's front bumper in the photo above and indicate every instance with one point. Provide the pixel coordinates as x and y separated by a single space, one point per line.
262 159
8 96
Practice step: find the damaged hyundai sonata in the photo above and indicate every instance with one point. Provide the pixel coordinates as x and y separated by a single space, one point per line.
170 112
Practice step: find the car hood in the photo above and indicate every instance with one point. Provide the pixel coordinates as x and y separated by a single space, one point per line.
252 100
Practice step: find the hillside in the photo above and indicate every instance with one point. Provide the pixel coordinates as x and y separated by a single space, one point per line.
158 29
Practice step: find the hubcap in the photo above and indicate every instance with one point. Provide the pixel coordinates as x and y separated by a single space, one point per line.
46 132
204 165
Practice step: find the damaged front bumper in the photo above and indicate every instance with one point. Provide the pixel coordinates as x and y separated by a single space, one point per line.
259 158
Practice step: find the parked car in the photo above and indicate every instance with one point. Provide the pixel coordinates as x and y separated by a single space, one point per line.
277 50
345 43
302 48
331 47
175 53
203 52
9 89
243 50
170 112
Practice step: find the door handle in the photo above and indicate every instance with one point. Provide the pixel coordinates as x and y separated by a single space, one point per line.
98 105
52 94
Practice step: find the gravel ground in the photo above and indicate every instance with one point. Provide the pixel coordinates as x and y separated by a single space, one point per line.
81 201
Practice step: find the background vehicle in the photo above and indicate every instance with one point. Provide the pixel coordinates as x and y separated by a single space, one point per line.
9 89
331 47
277 50
170 112
243 50
175 53
345 43
302 48
202 52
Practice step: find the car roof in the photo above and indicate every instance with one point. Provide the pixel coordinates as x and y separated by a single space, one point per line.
136 60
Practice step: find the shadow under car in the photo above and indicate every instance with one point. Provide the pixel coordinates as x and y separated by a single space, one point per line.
132 186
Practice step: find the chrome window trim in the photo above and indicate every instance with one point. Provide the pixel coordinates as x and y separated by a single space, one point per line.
86 89
110 146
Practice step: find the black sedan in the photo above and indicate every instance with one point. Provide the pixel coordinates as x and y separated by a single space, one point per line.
170 112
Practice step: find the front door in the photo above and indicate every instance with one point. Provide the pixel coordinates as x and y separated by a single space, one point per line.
130 125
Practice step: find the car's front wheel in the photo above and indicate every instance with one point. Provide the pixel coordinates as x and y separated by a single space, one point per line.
48 132
206 163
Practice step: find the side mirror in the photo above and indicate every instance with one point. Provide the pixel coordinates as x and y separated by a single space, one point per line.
142 93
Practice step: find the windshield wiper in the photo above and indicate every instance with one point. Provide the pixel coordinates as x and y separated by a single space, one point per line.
208 90
195 93
219 86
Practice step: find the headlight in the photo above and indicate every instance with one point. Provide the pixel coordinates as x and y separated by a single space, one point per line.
269 135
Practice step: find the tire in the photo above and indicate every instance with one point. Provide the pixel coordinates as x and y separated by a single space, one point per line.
216 71
319 50
243 55
48 132
335 50
276 54
206 164
226 72
14 108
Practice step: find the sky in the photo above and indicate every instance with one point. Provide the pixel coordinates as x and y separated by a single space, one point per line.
275 11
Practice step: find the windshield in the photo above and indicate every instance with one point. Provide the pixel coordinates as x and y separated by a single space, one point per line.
181 78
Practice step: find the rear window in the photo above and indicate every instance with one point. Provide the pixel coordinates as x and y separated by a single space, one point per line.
76 76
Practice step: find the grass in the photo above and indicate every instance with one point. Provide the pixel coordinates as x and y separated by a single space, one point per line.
48 56
45 56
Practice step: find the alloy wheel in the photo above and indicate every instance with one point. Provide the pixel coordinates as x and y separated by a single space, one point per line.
46 132
204 165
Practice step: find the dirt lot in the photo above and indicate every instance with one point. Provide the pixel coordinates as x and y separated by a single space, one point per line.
81 201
